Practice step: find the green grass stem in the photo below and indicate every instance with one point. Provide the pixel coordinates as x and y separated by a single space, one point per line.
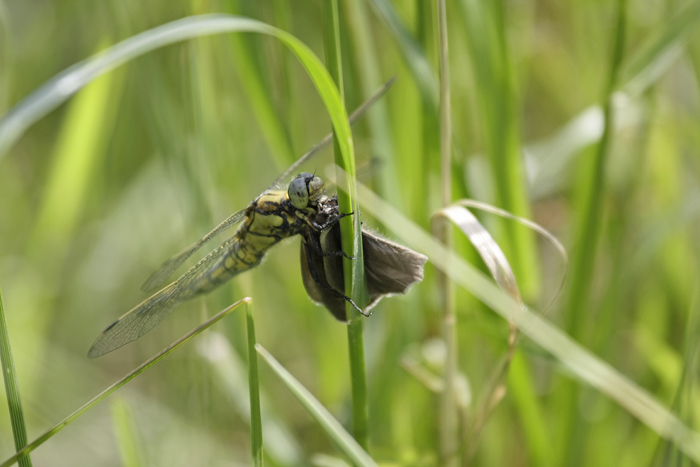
347 444
14 401
500 126
256 435
126 434
589 231
583 364
448 417
350 235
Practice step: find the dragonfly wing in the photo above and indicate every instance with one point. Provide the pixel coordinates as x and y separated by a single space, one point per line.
151 311
170 266
136 322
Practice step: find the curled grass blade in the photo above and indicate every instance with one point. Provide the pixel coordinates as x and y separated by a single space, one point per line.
502 273
117 385
331 426
586 366
14 401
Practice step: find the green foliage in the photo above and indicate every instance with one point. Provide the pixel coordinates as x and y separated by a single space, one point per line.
181 130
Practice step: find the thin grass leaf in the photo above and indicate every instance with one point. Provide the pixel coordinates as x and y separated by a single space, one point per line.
659 51
281 446
365 57
449 453
586 366
347 444
645 67
350 240
498 116
256 436
588 231
413 54
58 89
117 385
261 100
14 401
126 433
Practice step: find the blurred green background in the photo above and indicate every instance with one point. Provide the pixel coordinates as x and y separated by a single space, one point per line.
151 156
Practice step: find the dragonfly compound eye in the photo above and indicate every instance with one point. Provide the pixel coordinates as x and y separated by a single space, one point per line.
316 190
298 193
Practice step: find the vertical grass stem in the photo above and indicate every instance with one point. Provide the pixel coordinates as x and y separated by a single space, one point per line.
350 239
256 436
19 430
589 228
448 421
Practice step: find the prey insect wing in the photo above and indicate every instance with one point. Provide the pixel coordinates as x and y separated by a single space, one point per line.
390 269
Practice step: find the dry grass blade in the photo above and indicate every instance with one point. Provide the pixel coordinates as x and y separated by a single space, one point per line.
502 273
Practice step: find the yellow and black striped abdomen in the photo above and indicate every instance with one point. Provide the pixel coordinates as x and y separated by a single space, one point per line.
270 219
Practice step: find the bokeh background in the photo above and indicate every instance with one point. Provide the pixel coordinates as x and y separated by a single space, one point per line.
153 155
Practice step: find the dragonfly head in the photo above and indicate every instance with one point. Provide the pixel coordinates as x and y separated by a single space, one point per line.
304 188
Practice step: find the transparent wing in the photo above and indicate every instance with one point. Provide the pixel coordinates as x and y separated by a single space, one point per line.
145 316
170 266
136 322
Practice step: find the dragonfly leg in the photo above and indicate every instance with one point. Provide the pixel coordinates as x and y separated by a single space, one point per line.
315 243
325 286
332 222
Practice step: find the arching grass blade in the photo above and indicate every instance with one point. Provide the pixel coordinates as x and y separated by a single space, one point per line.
114 387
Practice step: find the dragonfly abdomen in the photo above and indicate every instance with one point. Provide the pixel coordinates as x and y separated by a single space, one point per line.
238 259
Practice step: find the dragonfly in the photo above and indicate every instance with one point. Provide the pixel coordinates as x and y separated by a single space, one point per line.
302 209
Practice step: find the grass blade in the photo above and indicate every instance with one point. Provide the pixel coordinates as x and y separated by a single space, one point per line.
62 86
659 52
282 447
589 232
264 109
347 444
350 241
413 53
256 436
586 366
364 52
448 415
520 382
498 115
126 433
117 385
14 401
